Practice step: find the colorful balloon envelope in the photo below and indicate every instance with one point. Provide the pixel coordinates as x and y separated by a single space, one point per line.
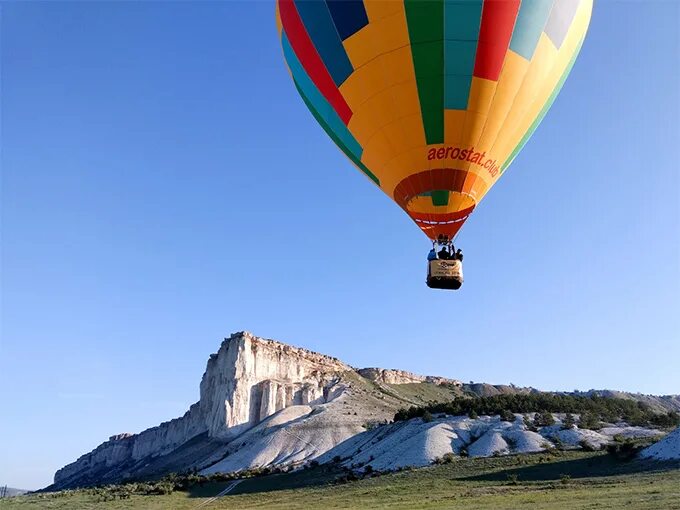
431 99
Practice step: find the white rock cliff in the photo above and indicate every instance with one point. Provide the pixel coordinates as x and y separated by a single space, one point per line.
246 381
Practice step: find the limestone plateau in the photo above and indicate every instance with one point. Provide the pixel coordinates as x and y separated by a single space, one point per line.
265 403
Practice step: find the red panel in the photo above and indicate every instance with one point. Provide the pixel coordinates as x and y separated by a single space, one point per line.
498 20
310 59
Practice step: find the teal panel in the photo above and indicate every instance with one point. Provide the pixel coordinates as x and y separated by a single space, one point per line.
462 19
459 57
531 19
457 92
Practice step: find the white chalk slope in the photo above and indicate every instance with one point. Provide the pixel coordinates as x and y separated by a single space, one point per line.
666 449
418 443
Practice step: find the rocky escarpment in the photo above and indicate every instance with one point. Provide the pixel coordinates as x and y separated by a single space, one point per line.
393 376
247 380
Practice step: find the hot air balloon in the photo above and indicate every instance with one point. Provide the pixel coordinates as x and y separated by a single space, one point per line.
431 99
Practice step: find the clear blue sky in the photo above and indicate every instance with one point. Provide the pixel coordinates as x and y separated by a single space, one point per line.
154 157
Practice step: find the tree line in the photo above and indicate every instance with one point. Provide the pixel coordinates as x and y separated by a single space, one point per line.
594 407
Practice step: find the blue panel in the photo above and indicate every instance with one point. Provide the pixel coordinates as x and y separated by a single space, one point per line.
319 25
321 105
349 16
531 20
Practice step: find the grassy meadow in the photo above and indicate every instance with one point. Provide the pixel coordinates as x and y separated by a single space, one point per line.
573 480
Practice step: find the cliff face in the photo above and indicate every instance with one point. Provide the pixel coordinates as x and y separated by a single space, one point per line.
251 378
246 381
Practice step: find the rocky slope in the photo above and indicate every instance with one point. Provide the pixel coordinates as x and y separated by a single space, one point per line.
264 403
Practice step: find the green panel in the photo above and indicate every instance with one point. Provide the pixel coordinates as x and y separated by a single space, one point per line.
440 197
544 110
333 136
425 20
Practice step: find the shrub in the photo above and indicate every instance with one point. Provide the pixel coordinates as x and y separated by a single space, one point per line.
529 424
589 421
512 478
625 450
568 422
507 415
427 417
543 419
473 415
447 458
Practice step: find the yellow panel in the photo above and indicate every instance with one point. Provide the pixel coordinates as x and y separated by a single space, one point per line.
398 65
454 121
457 202
401 166
363 83
406 101
406 132
538 69
414 132
378 37
548 84
371 116
376 9
514 69
392 31
481 94
377 150
472 128
361 47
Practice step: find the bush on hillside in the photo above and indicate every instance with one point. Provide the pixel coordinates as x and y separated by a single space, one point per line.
568 422
543 419
507 415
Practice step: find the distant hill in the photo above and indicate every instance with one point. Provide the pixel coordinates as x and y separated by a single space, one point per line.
9 492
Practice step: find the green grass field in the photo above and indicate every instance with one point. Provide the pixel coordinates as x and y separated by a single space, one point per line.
568 480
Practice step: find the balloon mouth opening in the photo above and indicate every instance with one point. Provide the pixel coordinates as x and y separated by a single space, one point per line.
439 200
